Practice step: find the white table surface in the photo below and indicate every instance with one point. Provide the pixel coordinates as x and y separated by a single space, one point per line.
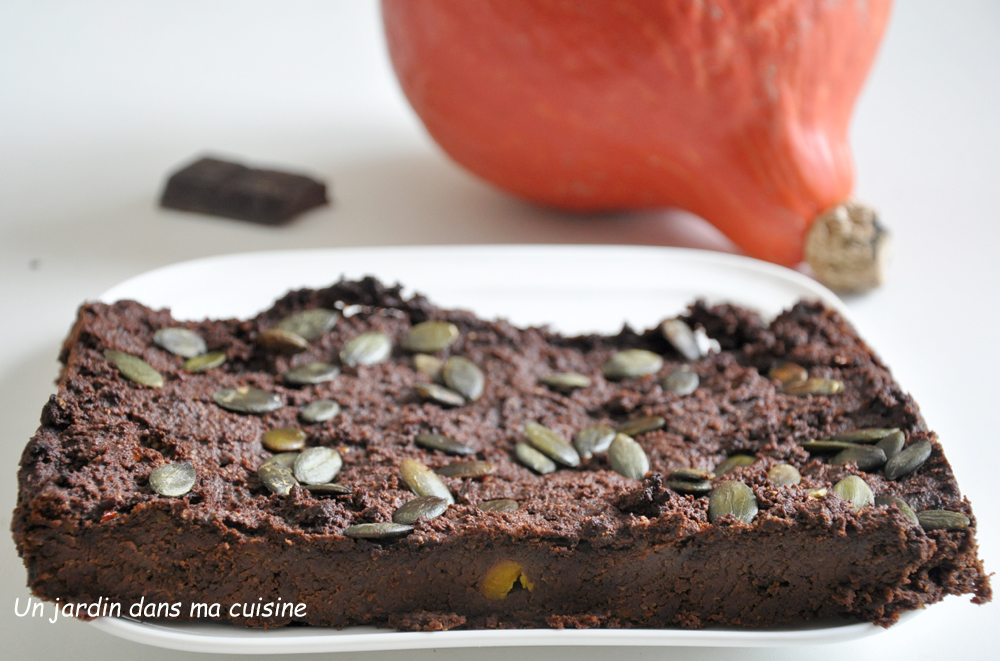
99 99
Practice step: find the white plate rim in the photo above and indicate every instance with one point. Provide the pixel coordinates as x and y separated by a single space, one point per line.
199 638
529 256
220 638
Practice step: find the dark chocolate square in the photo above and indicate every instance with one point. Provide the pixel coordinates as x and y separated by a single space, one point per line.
232 190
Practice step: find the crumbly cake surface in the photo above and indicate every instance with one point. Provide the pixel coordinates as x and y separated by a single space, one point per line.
596 548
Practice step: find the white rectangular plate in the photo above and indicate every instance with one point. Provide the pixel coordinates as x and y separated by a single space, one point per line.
573 289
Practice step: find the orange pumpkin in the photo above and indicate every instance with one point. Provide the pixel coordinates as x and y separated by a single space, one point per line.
737 111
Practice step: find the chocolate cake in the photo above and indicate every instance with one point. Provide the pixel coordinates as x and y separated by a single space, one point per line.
340 453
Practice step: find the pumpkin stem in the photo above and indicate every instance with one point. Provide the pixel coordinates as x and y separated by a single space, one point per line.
848 248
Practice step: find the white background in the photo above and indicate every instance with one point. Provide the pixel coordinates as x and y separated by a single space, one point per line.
98 100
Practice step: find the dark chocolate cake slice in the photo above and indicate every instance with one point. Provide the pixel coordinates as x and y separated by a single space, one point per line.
375 460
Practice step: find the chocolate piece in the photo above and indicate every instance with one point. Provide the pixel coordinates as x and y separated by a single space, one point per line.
585 547
231 190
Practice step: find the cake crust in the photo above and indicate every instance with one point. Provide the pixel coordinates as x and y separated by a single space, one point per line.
594 548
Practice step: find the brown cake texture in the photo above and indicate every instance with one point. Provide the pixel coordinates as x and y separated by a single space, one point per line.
586 546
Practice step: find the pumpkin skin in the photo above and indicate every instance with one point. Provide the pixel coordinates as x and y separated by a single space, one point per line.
737 111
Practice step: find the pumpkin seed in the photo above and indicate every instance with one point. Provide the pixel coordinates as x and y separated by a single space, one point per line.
641 425
534 459
856 491
204 362
283 439
467 469
421 507
682 381
276 478
705 344
499 505
428 365
593 439
551 443
247 400
310 324
908 460
818 447
691 474
627 458
786 372
319 411
565 381
867 457
734 462
501 578
135 369
439 394
892 444
173 479
444 443
906 510
814 387
180 342
632 364
332 488
311 374
423 481
431 336
681 337
350 310
376 530
282 341
286 459
869 435
942 520
696 488
366 349
317 465
732 499
461 375
816 494
784 475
